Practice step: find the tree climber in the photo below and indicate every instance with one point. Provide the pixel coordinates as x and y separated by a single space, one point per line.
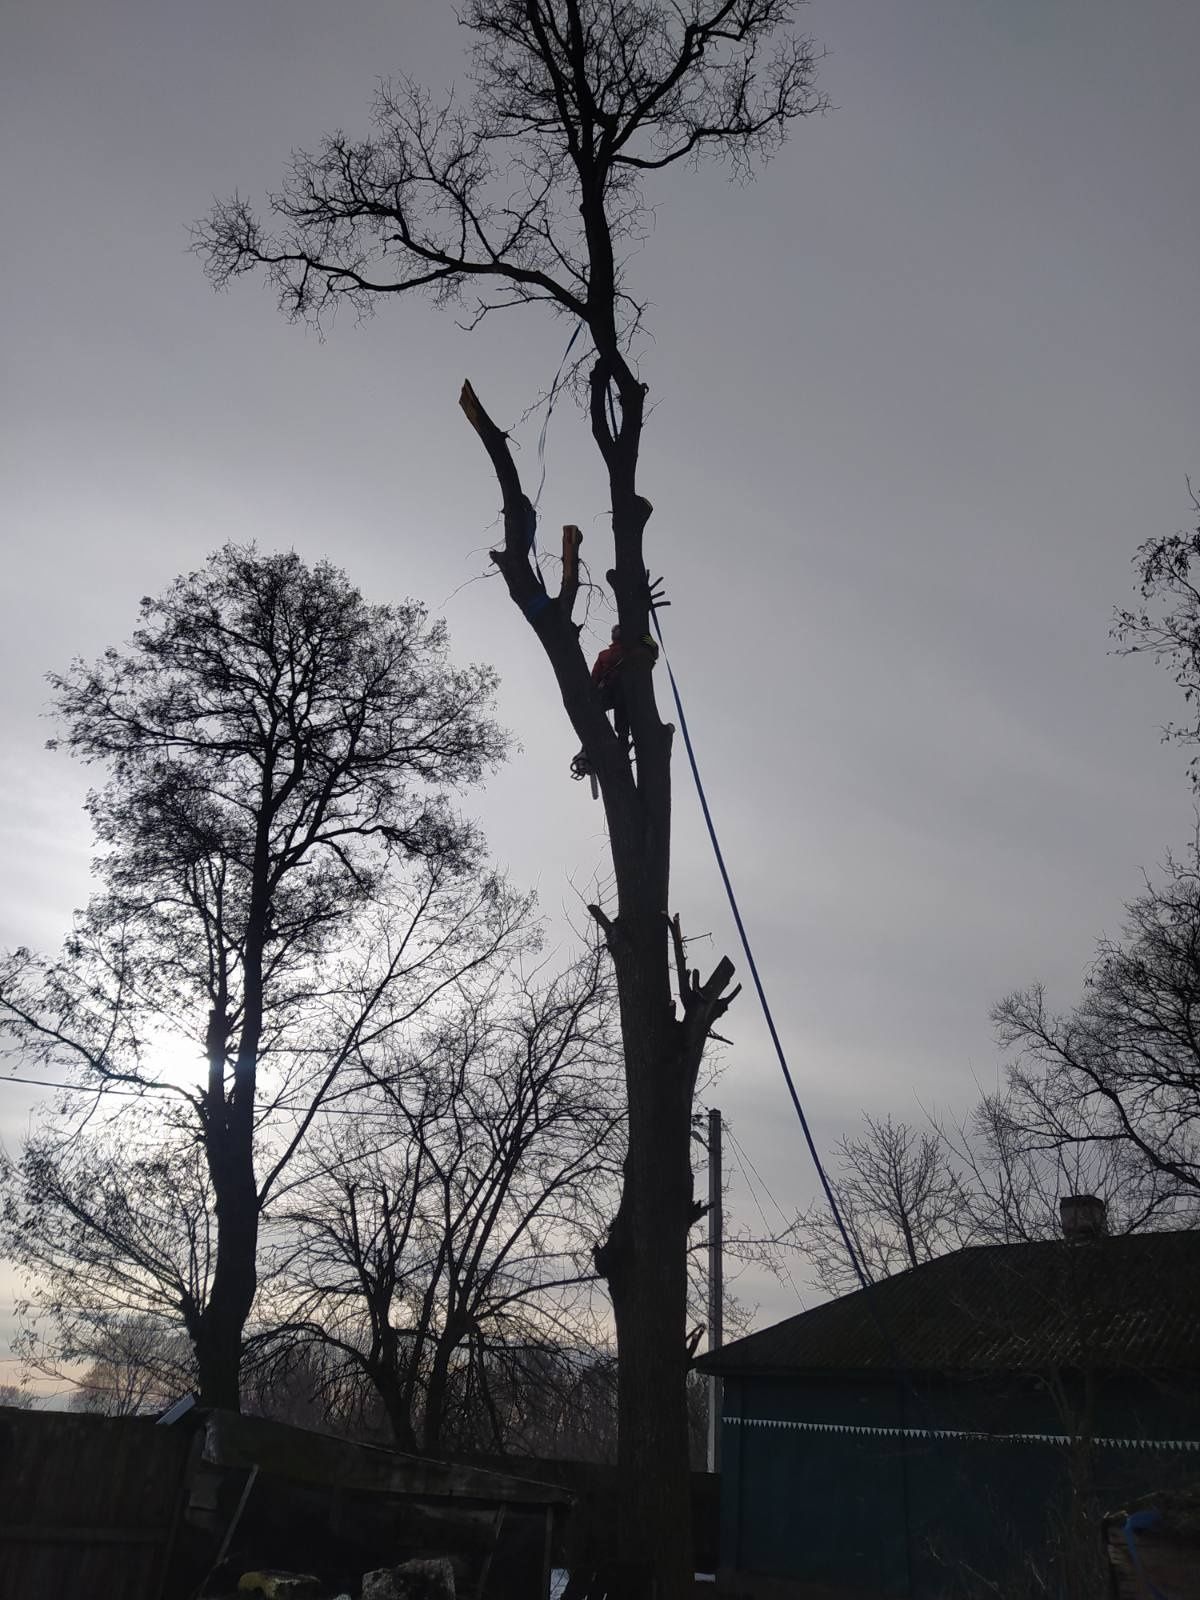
609 682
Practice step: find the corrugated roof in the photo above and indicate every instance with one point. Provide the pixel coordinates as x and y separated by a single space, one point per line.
1132 1301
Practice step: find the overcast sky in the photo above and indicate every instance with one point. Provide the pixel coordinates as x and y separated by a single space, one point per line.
920 392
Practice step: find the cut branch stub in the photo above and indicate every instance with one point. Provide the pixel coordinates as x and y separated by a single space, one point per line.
550 616
572 538
681 966
703 1003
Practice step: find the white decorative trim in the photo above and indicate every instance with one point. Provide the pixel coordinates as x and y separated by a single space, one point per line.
957 1433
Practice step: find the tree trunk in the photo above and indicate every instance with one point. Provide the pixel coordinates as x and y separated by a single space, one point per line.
644 1261
434 1418
235 1276
391 1392
229 1142
644 1257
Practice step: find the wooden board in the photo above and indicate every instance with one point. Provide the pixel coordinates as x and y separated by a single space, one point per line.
305 1456
88 1505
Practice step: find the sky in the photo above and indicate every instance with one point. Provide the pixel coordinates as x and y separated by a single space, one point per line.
919 392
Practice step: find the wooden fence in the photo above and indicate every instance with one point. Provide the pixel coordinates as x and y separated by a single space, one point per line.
97 1508
88 1505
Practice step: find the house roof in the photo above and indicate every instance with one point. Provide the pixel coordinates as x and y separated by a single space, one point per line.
1132 1301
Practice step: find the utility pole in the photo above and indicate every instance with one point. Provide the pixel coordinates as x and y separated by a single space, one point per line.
716 1284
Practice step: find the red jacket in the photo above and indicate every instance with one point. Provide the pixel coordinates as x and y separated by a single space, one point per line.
607 662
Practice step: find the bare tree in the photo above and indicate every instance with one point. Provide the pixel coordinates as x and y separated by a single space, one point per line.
532 191
1014 1174
1166 626
112 1232
299 1384
1105 1097
1123 1067
447 1236
134 1369
901 1199
909 1194
278 752
559 1400
15 1397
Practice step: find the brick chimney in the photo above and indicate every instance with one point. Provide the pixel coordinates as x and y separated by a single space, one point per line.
1083 1216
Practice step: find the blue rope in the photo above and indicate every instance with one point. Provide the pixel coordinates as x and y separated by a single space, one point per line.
904 1382
906 1387
835 1211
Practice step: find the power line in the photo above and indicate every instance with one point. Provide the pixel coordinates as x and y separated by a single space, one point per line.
740 1157
158 1092
762 1181
151 1091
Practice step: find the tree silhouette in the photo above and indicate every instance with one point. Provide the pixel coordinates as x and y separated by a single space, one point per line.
532 191
284 881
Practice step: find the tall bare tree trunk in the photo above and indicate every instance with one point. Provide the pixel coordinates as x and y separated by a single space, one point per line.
644 1258
644 1261
585 98
435 1395
229 1138
384 1371
235 1276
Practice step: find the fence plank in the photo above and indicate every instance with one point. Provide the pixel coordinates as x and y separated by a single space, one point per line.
86 1503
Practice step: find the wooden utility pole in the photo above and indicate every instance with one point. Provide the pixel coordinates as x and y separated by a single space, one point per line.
716 1284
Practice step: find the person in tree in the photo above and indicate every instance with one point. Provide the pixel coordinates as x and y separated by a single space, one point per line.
608 679
606 676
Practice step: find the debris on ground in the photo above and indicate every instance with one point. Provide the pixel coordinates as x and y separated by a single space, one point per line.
411 1580
275 1585
1153 1546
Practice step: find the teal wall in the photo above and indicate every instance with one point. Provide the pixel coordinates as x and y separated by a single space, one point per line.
897 1512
